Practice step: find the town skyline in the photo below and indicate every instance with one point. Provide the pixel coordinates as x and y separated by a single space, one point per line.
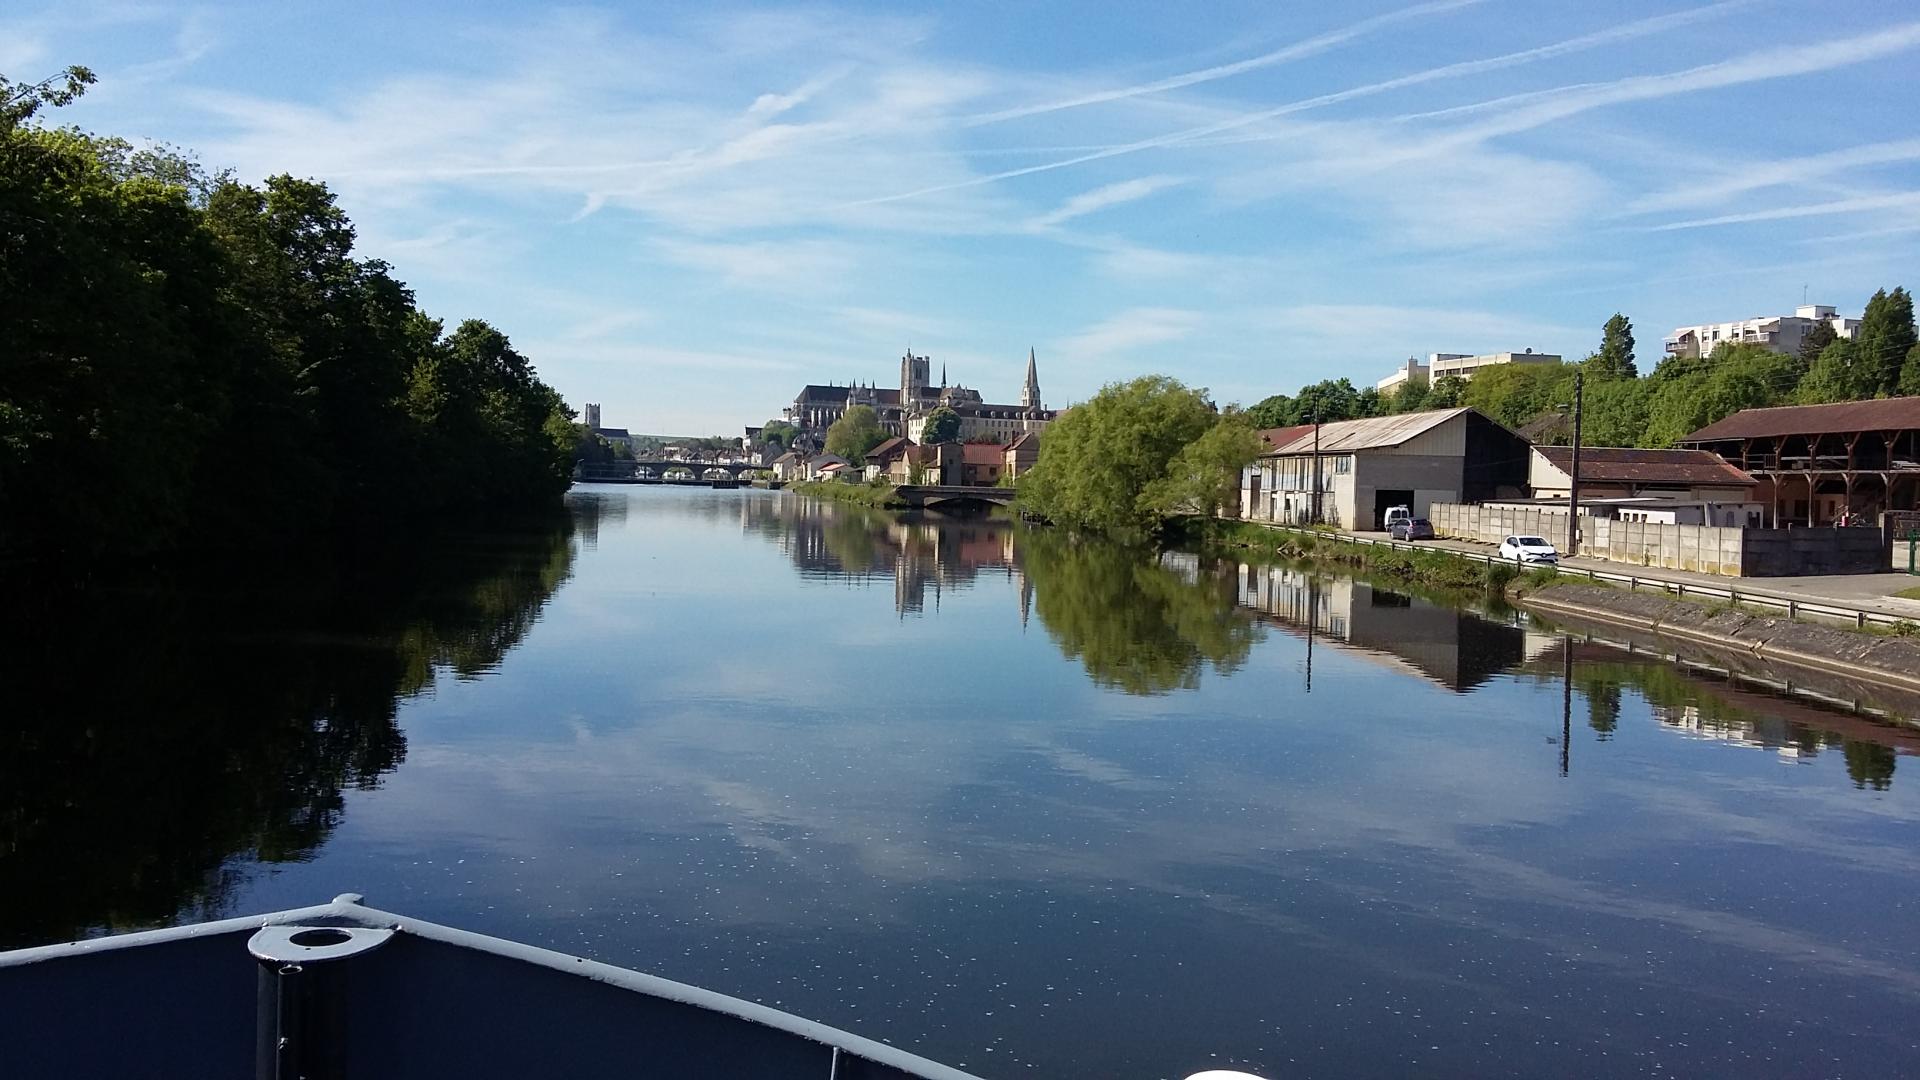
682 215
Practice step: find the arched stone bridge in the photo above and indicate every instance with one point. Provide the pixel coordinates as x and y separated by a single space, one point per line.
938 494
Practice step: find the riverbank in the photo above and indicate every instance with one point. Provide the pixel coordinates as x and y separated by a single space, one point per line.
878 496
1887 656
1890 657
1430 567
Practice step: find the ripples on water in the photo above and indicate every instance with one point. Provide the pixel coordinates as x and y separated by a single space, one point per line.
1010 799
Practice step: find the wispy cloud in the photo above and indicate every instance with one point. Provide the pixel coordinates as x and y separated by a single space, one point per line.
1205 134
1101 198
1757 175
1301 50
1129 331
1894 201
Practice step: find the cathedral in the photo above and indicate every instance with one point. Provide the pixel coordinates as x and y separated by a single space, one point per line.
903 411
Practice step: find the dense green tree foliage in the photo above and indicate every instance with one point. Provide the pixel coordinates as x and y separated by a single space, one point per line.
943 425
1884 338
1680 396
1109 463
1204 477
857 431
778 433
1615 358
197 362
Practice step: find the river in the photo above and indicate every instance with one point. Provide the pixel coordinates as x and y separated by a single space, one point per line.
1027 805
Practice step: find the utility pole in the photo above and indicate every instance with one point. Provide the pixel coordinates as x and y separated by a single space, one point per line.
1566 699
1573 490
1316 469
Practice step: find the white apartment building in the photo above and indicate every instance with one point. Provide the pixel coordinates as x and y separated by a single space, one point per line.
1778 333
1457 365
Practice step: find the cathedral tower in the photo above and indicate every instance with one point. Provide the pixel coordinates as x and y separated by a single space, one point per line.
1030 393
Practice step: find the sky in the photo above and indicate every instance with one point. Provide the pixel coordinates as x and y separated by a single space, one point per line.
687 211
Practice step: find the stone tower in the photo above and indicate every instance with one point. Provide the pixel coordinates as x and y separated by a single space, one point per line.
915 373
590 416
1030 393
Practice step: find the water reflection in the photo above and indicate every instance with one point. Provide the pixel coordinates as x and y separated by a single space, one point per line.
1444 643
163 742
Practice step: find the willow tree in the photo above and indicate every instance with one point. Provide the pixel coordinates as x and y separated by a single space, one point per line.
1107 464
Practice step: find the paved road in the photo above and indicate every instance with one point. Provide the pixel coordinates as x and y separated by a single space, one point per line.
1870 591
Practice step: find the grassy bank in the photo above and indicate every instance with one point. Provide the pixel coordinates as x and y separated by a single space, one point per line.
1430 567
879 496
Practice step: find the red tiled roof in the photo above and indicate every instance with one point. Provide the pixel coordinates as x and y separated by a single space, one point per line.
983 453
1604 464
1026 438
1281 436
1880 414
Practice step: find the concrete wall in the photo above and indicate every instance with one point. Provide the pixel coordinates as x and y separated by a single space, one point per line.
1699 548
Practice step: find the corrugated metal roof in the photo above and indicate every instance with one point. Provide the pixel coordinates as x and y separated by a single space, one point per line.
1880 414
1346 436
1604 464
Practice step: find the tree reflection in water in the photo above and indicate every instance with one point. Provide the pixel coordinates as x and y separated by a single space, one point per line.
161 741
1133 622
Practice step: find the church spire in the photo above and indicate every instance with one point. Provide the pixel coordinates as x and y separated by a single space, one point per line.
1030 393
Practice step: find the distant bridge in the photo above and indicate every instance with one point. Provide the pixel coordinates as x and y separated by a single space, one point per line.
665 472
925 495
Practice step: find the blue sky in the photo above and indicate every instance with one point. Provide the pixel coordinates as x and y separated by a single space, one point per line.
685 211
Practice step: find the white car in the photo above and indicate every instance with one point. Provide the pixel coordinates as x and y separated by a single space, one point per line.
1528 549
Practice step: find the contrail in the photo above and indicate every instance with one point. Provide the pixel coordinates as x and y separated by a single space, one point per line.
1297 51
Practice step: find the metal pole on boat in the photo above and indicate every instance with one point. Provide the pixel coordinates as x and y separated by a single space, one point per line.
300 1007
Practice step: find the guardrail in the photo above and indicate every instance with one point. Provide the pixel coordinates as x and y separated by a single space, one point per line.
1792 607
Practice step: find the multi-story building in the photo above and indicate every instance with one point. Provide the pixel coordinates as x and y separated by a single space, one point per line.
1457 365
904 411
1779 333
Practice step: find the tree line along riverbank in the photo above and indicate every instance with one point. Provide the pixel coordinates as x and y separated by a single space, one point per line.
195 363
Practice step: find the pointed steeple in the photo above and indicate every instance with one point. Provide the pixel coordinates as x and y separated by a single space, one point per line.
943 374
1030 393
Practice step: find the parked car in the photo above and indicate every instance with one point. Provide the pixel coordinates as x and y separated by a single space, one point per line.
1412 529
1395 515
1529 549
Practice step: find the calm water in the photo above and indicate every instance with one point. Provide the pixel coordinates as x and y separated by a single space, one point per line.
1024 805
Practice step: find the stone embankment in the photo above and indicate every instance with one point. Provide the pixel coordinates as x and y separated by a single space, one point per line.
1892 659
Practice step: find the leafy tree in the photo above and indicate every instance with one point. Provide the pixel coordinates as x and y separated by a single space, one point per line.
1369 403
1326 402
196 362
1273 412
1816 340
1615 358
19 101
1838 375
943 425
1885 337
1205 475
1516 393
1410 396
1100 459
778 433
1448 392
1615 412
857 431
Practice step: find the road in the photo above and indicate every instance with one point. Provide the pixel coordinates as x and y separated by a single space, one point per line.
1873 592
